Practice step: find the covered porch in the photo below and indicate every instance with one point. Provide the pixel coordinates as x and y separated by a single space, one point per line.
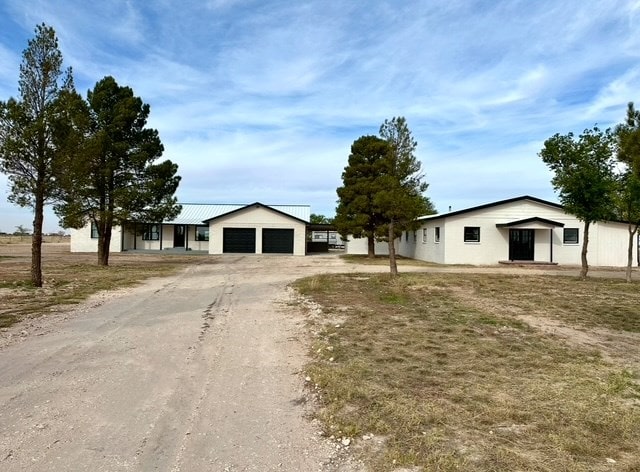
531 241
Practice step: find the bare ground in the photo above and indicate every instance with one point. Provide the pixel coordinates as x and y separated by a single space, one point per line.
200 371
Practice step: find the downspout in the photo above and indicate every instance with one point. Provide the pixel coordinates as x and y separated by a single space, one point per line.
161 236
551 245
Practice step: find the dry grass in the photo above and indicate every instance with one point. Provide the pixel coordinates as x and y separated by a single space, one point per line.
70 278
442 368
11 239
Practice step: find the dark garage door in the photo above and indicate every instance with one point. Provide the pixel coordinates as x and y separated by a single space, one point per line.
277 241
239 240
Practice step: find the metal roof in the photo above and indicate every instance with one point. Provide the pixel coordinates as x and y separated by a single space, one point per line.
489 205
197 213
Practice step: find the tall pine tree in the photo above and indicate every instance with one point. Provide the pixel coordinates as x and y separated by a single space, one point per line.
116 179
356 214
29 152
401 200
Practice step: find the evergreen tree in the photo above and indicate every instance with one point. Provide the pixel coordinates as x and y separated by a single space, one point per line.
401 198
356 214
29 152
115 177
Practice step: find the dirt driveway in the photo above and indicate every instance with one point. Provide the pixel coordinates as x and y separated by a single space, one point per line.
199 371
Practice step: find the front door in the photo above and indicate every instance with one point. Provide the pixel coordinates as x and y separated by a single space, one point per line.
178 236
521 242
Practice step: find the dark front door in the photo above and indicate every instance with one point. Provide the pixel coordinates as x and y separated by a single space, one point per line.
521 242
178 236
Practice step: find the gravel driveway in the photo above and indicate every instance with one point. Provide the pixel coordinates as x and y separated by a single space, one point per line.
200 371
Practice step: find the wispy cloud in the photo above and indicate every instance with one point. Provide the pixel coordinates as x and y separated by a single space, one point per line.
262 100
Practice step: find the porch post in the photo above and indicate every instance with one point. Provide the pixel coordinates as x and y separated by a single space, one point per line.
551 245
135 236
186 237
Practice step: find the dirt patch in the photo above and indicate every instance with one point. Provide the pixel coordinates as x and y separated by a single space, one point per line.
622 348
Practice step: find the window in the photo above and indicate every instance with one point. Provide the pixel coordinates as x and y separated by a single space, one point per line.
415 236
94 230
436 234
424 235
472 234
202 233
570 236
406 235
151 232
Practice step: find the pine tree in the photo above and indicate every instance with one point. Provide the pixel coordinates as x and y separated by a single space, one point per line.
29 150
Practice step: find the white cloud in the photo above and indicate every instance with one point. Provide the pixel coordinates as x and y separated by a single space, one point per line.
262 100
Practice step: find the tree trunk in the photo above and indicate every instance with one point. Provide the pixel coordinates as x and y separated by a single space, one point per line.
583 256
632 232
104 242
36 241
393 266
371 247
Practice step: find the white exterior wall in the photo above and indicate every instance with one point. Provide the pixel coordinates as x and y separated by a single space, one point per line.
81 240
607 241
608 245
259 218
360 246
427 250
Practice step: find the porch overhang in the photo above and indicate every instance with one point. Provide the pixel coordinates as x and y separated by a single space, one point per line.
531 223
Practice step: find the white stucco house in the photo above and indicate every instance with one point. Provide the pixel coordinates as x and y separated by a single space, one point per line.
213 228
525 229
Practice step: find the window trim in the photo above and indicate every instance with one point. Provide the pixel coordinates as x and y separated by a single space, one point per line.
469 229
424 235
566 241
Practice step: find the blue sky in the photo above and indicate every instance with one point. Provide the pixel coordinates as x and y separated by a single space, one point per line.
261 100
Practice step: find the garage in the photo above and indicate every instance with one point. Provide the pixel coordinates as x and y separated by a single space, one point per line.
239 240
277 241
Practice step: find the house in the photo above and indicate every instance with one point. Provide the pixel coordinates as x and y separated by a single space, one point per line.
523 229
212 228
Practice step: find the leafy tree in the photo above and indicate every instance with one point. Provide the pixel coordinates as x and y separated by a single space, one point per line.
114 178
628 196
21 231
356 213
401 198
319 219
29 154
627 209
583 176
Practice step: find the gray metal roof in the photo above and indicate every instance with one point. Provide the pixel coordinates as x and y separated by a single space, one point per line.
196 213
